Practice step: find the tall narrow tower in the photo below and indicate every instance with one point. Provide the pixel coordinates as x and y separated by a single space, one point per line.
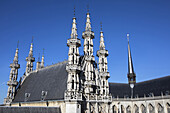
12 83
30 59
89 72
73 94
102 53
131 74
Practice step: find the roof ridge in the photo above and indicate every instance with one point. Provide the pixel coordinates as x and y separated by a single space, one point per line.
59 63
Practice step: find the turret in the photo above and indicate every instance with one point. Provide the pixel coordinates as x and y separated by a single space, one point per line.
12 83
30 59
131 74
73 67
102 53
89 67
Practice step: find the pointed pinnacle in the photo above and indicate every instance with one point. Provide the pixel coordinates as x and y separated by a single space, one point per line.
74 10
87 8
43 51
128 37
18 44
101 26
32 39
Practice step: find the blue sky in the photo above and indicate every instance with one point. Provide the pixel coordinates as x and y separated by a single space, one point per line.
147 21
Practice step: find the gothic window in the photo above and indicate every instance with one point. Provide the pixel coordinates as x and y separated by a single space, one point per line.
72 84
160 108
114 109
143 109
73 59
103 61
122 109
128 109
136 109
151 109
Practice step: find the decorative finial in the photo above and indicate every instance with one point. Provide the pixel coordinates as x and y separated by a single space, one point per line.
101 26
88 8
74 10
32 39
43 51
18 44
128 37
39 57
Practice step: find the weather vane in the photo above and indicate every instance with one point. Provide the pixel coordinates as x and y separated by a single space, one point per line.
32 38
101 26
88 8
18 44
74 10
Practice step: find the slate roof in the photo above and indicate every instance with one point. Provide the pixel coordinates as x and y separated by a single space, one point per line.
52 79
155 86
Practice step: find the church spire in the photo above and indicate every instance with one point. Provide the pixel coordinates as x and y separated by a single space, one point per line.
131 74
12 83
30 59
102 53
16 54
88 23
74 28
102 46
73 67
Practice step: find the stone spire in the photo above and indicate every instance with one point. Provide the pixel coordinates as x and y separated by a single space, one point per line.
88 23
89 67
38 66
42 60
102 53
73 67
12 83
30 59
131 74
102 45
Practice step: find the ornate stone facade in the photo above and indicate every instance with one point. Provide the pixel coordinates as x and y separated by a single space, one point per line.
80 85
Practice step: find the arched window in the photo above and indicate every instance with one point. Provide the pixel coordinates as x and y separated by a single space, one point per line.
136 109
160 108
128 109
151 108
143 109
114 109
122 109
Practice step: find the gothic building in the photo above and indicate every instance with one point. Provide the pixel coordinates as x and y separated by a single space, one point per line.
80 84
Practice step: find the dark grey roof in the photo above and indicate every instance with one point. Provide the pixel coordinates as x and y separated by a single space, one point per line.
155 86
30 110
52 79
